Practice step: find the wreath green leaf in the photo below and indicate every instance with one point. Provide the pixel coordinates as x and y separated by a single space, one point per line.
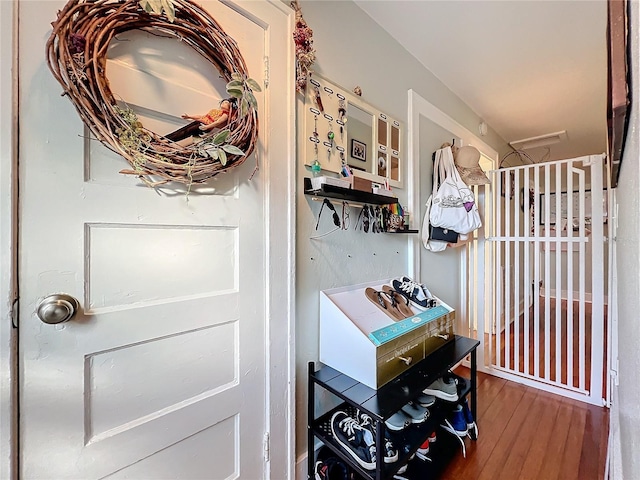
253 85
76 57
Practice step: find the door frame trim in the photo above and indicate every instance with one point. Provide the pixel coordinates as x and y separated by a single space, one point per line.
419 106
8 238
280 217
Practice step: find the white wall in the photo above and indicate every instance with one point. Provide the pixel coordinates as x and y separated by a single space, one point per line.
628 266
353 50
6 341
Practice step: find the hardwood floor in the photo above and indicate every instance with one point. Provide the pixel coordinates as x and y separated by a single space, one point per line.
528 434
557 351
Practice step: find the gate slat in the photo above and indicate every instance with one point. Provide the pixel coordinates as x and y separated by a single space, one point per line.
547 265
581 281
558 282
527 272
516 275
570 173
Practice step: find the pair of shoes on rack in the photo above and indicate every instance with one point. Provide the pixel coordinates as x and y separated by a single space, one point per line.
444 388
460 421
358 439
416 293
423 451
330 467
413 412
390 453
472 426
390 302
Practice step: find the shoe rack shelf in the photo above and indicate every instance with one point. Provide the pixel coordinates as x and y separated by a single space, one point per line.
383 403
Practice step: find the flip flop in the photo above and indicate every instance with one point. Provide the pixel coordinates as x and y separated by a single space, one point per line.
402 302
384 303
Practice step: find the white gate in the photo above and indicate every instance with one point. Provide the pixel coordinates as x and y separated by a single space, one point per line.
536 277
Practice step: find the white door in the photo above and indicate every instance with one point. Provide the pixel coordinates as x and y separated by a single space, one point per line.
162 374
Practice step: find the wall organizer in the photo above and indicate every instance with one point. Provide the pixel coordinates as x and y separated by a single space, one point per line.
76 55
341 129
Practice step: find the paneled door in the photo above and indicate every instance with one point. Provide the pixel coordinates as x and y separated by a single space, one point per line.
162 372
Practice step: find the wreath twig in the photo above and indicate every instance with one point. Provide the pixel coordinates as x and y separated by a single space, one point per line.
76 55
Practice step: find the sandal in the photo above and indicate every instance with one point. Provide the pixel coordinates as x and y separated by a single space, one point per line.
385 303
402 302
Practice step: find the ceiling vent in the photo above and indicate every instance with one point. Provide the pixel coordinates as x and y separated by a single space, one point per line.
539 141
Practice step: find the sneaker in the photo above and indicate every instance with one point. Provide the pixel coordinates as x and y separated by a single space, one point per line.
331 468
422 452
466 411
403 468
351 436
415 412
415 292
472 427
424 448
441 388
458 422
398 421
450 377
365 421
425 400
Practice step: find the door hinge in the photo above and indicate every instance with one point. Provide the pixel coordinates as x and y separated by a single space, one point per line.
265 446
266 72
13 314
613 372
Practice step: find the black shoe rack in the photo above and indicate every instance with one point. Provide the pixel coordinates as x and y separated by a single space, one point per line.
351 395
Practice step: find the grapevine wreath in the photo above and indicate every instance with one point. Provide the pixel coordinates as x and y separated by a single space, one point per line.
76 54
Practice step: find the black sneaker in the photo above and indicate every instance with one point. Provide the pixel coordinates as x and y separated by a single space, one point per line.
390 453
330 468
351 436
415 292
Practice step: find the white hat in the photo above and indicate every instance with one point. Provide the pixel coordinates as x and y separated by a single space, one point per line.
467 160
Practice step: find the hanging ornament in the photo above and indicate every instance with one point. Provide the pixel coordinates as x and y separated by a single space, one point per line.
330 135
305 54
318 99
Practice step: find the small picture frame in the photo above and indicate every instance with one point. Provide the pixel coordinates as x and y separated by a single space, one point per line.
358 150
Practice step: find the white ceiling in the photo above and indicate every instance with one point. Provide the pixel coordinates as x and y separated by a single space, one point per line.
527 68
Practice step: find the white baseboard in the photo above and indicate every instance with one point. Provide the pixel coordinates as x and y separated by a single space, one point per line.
564 295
